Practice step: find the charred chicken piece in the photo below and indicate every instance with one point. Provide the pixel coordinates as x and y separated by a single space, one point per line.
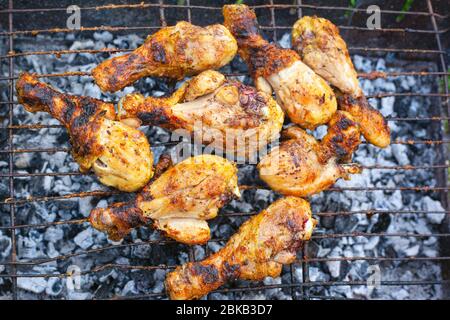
172 52
322 48
178 202
371 122
225 114
306 98
302 166
258 250
119 155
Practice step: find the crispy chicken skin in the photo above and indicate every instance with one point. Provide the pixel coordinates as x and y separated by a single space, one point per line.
306 98
225 114
302 166
258 250
119 155
172 52
371 122
178 201
322 48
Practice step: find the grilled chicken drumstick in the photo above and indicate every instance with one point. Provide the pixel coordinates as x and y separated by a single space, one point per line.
258 250
172 52
178 202
321 47
301 166
119 155
307 99
227 114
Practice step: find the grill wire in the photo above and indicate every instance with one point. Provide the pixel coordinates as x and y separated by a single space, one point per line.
304 261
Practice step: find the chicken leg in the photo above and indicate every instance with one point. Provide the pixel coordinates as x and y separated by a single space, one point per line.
172 52
119 155
301 166
306 98
226 114
258 250
178 202
321 47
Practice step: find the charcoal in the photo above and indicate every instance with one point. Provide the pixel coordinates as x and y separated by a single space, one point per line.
55 241
54 287
5 245
84 239
53 234
34 285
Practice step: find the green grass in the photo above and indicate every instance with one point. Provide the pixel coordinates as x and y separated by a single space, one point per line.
405 8
442 90
407 4
446 126
442 83
351 4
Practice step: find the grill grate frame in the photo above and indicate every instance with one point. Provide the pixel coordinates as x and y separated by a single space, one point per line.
438 55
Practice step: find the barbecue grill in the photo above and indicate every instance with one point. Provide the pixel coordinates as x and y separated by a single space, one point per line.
417 38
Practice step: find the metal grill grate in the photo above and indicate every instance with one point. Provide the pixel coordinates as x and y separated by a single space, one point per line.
269 9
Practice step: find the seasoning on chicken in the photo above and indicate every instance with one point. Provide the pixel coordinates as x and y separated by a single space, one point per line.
302 166
119 155
226 114
172 52
178 202
258 250
371 122
306 98
321 47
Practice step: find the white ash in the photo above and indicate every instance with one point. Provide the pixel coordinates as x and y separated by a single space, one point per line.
334 267
386 200
5 245
53 234
34 285
73 295
84 239
60 240
129 288
85 205
434 206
